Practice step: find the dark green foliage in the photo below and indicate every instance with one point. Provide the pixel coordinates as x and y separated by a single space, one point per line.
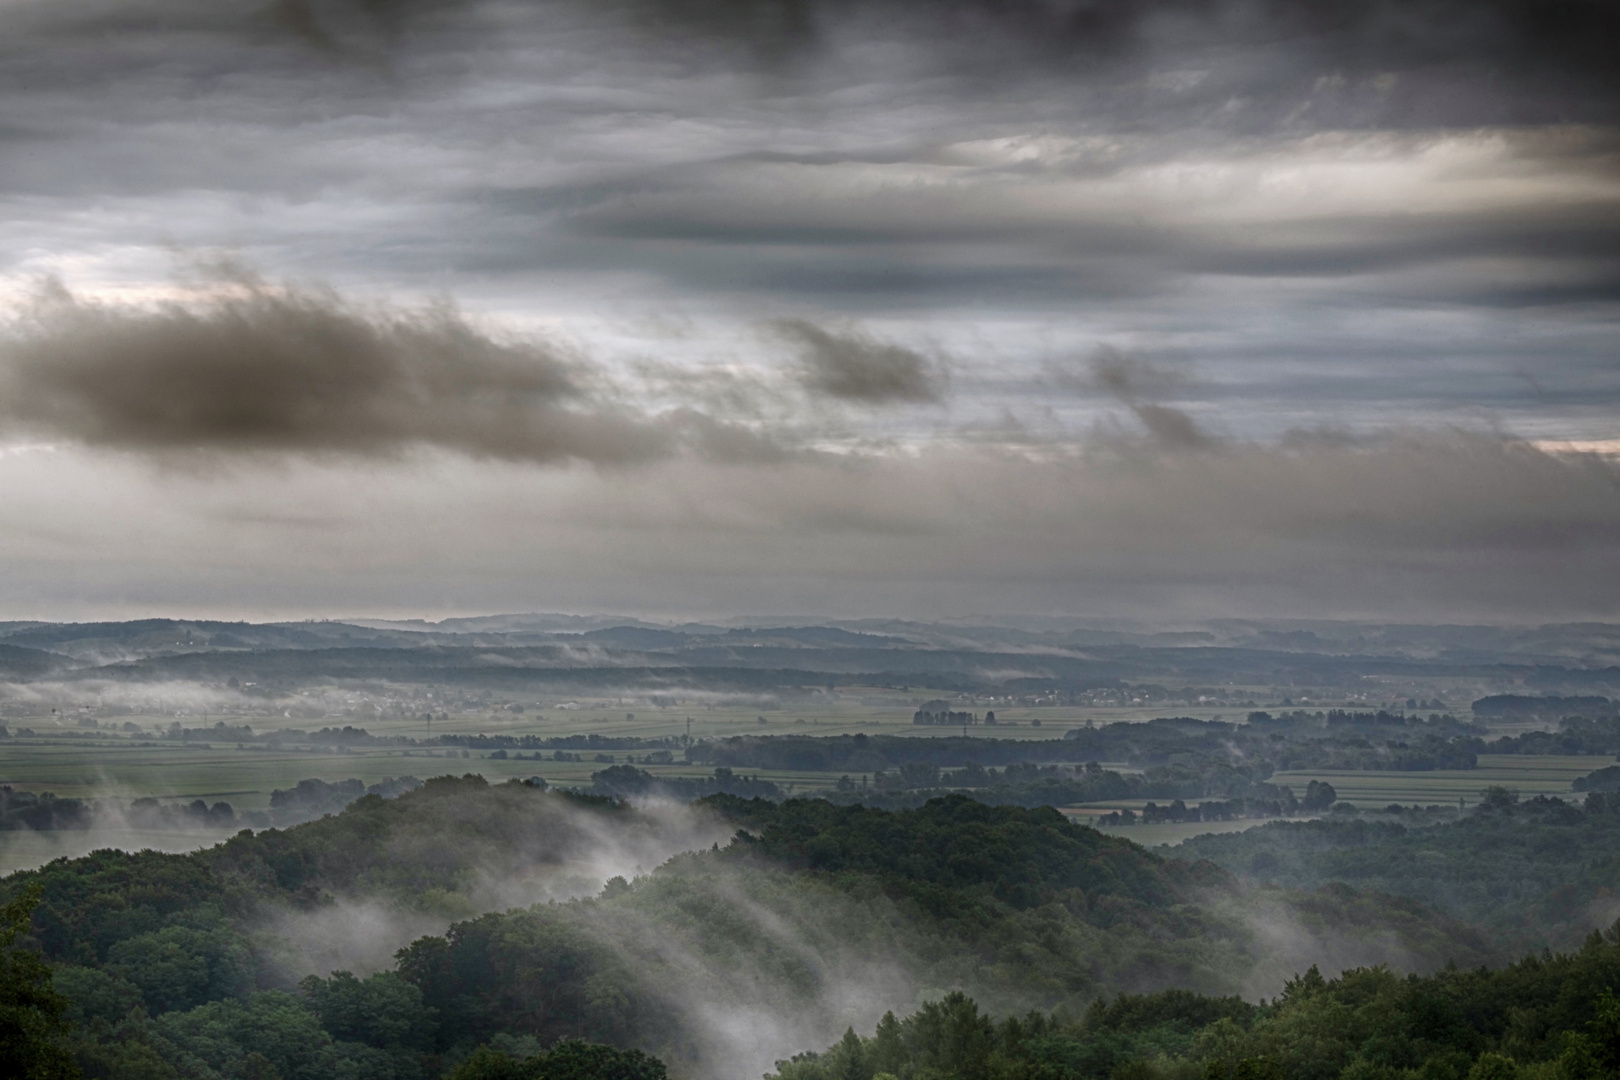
625 781
1181 1009
429 838
568 1060
534 972
179 967
97 994
955 853
315 797
1554 1014
1576 734
1546 705
1605 779
280 1032
1319 796
26 810
157 922
90 904
274 1026
1016 903
1018 906
32 1012
487 1064
383 1010
1531 870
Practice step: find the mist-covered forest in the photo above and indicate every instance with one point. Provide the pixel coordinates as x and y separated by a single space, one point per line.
643 852
399 937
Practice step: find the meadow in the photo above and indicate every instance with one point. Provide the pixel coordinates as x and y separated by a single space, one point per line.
86 758
81 762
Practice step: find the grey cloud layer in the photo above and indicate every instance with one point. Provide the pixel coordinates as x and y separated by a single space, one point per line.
1468 525
714 507
865 164
244 366
264 368
852 366
1365 61
1340 223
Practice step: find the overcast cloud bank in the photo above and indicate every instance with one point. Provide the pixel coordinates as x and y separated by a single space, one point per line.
1138 308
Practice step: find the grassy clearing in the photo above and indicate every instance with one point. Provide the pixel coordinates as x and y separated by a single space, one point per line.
244 778
1528 775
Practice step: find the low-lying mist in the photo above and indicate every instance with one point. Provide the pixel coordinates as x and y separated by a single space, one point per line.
468 861
664 925
724 962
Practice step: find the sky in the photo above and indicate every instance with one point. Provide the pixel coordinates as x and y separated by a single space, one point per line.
1162 310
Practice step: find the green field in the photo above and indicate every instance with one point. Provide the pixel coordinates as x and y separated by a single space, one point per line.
83 760
1528 775
847 710
70 762
60 758
245 778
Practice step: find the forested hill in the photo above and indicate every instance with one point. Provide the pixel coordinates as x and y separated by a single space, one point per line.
1543 1018
784 924
1536 872
954 852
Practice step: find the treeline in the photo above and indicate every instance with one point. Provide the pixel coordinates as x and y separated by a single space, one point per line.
1544 1018
1605 779
1201 745
73 1022
349 735
42 810
1319 795
312 798
1531 870
1030 785
45 811
1575 735
627 781
171 970
1020 903
1331 739
1548 706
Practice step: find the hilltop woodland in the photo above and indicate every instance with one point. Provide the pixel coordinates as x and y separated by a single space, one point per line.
190 965
1532 872
1543 1018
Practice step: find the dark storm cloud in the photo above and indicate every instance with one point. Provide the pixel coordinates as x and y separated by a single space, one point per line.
852 366
261 368
1458 61
1452 61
